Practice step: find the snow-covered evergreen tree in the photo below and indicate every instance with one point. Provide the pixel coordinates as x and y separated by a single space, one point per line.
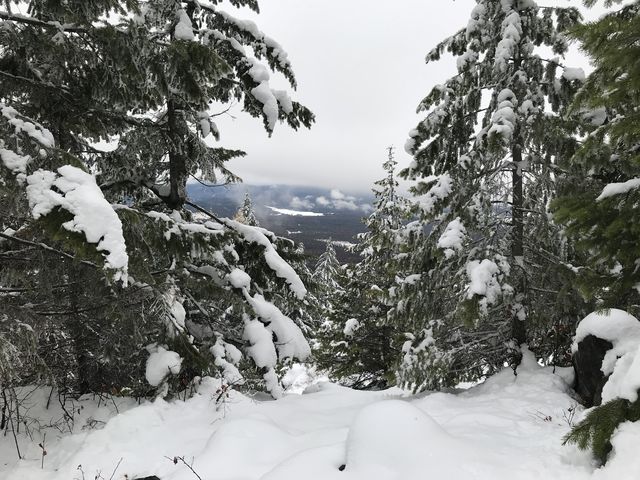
325 273
492 265
245 213
359 346
150 77
378 244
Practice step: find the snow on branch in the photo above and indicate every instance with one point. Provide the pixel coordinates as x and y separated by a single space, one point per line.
485 279
290 339
76 191
273 335
281 268
452 238
184 27
20 124
16 161
267 42
613 189
439 191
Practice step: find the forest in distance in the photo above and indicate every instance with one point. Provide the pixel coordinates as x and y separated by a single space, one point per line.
474 316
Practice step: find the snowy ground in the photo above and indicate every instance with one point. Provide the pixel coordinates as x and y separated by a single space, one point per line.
507 428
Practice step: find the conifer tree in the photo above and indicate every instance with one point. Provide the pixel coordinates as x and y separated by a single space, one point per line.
359 346
491 263
598 197
325 274
245 213
150 77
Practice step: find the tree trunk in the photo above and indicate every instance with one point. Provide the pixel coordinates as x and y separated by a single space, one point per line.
178 156
518 327
82 342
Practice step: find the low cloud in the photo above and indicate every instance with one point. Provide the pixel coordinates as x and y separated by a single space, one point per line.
298 203
345 205
338 195
336 200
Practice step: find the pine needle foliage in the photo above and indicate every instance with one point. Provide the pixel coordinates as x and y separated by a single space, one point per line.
605 226
594 432
149 77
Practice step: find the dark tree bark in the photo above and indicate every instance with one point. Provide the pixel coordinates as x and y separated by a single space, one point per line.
178 156
518 327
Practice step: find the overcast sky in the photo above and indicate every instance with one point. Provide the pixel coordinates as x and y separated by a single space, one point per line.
360 68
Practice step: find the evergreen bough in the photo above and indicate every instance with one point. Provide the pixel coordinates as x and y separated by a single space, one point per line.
606 226
596 429
150 77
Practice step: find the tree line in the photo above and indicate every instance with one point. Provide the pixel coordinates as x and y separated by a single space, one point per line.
521 218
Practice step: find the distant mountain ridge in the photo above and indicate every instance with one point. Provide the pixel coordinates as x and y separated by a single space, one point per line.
285 210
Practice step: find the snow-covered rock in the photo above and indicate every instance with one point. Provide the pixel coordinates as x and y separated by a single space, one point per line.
621 363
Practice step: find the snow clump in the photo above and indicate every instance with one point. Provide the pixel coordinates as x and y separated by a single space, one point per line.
160 364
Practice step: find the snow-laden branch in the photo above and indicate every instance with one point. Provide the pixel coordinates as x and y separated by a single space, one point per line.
281 268
76 191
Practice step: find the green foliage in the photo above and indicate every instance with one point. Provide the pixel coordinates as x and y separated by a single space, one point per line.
605 227
129 81
597 428
358 346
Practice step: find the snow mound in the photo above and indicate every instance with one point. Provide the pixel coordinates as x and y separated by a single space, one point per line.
624 461
228 447
510 427
325 463
396 436
612 325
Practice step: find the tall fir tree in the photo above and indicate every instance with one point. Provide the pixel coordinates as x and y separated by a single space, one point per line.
150 77
493 267
359 346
